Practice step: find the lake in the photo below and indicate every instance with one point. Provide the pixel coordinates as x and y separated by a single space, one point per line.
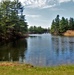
39 50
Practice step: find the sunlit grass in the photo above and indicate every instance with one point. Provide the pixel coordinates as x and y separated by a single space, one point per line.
26 69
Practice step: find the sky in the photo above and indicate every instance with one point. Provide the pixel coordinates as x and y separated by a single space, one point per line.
42 12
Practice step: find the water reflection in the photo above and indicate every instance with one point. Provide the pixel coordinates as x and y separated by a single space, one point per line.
40 50
63 49
48 50
13 51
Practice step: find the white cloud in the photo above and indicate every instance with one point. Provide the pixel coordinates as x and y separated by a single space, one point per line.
42 3
61 1
33 16
39 3
49 6
57 9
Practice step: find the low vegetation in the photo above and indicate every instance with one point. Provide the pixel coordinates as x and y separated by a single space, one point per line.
26 69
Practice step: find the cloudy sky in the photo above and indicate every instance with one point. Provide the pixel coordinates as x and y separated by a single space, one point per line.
42 12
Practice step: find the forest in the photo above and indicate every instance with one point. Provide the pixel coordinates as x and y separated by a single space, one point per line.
12 21
59 26
38 30
13 24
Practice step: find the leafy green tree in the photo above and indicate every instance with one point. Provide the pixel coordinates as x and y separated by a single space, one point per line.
67 24
39 30
57 24
63 25
10 21
71 24
53 27
31 29
60 26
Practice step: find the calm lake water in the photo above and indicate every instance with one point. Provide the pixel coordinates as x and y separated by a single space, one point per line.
39 50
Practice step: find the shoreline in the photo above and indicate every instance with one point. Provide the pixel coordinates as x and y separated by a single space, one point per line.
12 38
69 33
8 68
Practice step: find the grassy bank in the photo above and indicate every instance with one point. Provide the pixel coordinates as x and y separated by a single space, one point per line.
25 69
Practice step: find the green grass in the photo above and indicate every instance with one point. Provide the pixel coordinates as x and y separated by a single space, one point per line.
25 69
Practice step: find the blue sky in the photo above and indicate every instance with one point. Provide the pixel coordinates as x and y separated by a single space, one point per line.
42 12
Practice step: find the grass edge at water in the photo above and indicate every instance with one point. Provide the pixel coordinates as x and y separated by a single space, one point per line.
8 68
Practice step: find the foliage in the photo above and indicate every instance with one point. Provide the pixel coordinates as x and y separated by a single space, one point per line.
71 23
60 26
53 27
35 30
63 25
10 21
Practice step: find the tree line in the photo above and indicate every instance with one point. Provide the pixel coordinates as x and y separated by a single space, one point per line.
60 26
12 20
38 30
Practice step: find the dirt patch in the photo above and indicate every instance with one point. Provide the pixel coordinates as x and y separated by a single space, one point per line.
12 64
69 33
8 64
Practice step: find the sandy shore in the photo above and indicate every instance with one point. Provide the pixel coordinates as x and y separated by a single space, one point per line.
69 33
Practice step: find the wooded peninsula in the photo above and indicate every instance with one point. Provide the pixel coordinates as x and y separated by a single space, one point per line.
63 26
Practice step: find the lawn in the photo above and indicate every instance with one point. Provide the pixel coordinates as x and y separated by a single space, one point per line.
26 69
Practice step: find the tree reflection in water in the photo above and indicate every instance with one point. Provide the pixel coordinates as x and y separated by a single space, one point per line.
13 51
63 48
